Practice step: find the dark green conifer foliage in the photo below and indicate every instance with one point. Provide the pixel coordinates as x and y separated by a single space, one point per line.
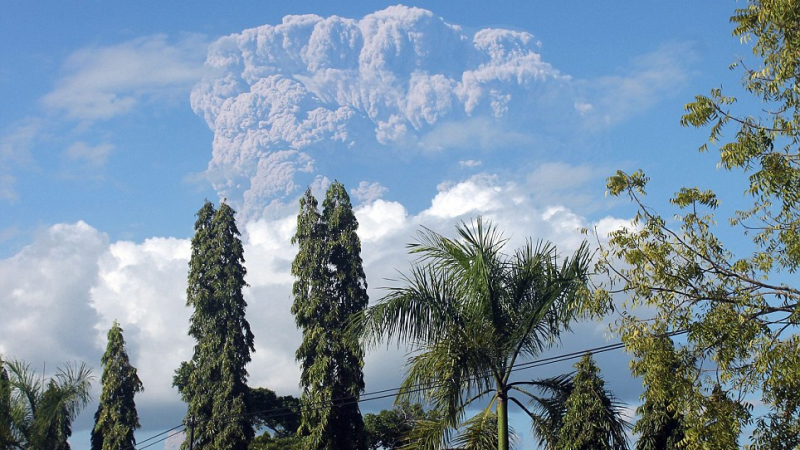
591 421
214 382
116 418
330 287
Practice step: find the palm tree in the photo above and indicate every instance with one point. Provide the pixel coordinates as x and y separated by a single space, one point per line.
471 314
41 412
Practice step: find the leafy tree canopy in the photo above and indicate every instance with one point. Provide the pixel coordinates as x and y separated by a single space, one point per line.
269 442
660 424
739 310
281 414
390 428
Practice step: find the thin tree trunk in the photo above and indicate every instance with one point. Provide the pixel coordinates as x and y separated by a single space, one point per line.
502 422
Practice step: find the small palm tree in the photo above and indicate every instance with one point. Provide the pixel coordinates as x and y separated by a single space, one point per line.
471 314
41 412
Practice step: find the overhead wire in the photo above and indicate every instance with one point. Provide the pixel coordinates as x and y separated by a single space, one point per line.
138 444
378 395
165 438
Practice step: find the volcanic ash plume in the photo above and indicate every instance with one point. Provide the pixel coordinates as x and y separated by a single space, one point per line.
277 96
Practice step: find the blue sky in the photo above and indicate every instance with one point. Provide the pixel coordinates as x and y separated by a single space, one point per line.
118 120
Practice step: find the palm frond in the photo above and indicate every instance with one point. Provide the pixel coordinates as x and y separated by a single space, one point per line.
548 407
479 432
421 311
429 434
25 384
445 376
74 382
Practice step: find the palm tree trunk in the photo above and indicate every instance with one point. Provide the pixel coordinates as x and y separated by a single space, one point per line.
502 421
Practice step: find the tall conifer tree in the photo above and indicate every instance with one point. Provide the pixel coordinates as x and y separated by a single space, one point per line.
116 418
591 420
330 287
214 382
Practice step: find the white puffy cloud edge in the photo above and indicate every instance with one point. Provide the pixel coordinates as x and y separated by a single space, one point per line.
68 286
284 99
277 96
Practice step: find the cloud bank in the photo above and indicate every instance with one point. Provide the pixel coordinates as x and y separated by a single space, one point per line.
71 283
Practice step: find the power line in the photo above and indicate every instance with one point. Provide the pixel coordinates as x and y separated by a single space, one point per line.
138 444
385 393
159 434
165 438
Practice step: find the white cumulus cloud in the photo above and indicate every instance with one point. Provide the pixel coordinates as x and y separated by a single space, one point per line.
46 312
143 287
